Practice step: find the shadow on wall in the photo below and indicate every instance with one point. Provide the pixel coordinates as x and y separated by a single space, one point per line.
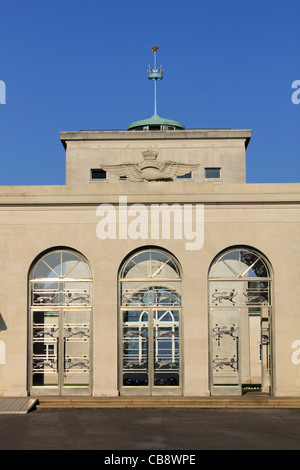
2 324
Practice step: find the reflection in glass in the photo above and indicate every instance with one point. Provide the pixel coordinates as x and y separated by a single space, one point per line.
61 264
240 263
150 298
146 294
239 288
61 300
135 347
166 347
45 352
151 263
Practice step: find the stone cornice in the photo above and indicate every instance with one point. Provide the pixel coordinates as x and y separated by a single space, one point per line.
200 134
158 192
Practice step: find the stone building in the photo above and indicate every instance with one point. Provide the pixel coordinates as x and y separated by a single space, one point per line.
156 270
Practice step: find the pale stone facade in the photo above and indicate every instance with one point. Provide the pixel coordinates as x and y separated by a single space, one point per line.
258 223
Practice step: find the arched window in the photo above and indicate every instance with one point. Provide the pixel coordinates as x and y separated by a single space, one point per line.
150 313
61 278
240 263
60 320
240 321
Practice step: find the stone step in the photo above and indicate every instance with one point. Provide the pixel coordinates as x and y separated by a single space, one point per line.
168 402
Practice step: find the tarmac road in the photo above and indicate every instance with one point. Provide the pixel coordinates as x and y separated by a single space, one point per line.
151 430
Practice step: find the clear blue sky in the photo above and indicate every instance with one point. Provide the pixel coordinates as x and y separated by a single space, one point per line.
70 65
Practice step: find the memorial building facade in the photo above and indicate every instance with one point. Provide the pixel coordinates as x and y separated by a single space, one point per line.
155 270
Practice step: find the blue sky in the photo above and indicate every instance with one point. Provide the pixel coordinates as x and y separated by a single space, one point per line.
70 65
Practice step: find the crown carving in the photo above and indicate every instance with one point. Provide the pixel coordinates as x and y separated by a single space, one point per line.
150 154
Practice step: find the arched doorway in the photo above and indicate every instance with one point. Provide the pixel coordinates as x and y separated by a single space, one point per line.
240 315
150 324
60 316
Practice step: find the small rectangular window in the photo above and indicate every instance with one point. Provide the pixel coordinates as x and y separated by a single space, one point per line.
212 173
187 176
98 175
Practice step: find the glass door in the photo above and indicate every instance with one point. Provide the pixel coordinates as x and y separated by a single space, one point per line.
75 364
60 314
166 347
240 315
150 352
225 362
135 348
149 324
60 352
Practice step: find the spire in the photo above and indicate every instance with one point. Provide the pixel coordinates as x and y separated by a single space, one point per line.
155 74
155 123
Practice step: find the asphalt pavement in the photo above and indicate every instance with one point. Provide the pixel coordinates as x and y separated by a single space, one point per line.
151 430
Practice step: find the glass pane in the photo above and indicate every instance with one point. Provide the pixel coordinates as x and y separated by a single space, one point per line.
76 293
225 337
163 265
258 293
61 293
212 172
98 174
160 266
166 316
74 267
61 264
239 263
53 260
142 293
76 348
166 347
252 265
226 293
227 265
43 271
133 293
137 267
150 263
126 270
163 295
45 293
135 348
239 293
45 333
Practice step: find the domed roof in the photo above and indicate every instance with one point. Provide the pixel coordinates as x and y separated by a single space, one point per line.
155 123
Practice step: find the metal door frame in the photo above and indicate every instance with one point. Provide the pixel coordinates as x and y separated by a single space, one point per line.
151 388
255 296
60 389
235 388
266 335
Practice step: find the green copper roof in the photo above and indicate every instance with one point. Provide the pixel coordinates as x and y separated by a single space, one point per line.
155 121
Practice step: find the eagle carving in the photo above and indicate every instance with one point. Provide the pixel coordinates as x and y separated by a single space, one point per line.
150 169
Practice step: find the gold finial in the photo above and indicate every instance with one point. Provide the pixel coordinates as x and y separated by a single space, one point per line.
155 48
